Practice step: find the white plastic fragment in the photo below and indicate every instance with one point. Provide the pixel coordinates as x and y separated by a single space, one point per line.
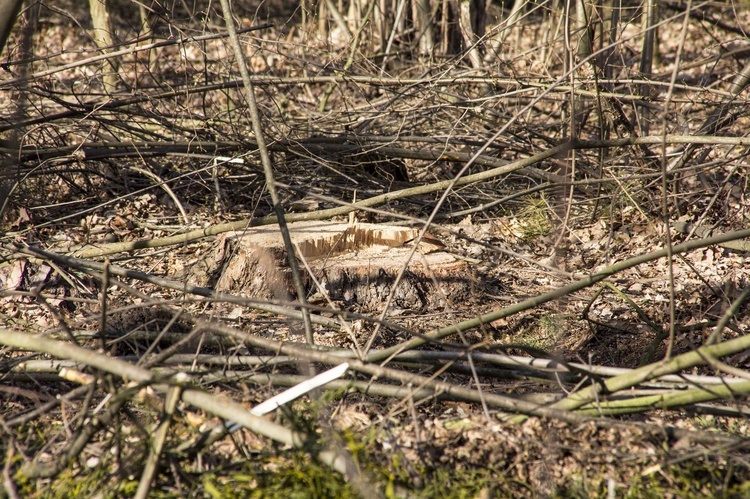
224 159
292 393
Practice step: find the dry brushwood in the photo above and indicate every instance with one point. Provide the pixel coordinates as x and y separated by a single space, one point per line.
175 250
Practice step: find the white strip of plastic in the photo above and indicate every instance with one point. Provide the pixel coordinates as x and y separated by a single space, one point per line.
293 393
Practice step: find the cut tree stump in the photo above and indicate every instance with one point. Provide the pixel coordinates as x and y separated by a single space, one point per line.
355 264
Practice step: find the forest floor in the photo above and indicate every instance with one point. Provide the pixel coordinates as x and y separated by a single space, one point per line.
72 197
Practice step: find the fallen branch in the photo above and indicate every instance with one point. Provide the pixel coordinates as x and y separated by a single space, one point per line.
219 406
555 294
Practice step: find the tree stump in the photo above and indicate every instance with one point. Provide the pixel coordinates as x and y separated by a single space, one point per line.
354 264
